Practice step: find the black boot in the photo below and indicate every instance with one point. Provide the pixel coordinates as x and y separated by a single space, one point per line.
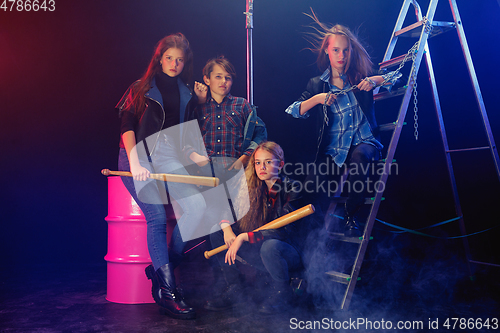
166 295
227 291
279 299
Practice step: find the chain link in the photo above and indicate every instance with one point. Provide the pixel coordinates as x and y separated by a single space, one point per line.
427 25
335 93
428 29
415 102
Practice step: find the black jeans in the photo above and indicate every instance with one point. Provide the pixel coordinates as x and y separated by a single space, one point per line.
272 255
323 180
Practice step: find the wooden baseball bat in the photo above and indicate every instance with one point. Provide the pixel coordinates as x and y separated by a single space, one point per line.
274 224
169 177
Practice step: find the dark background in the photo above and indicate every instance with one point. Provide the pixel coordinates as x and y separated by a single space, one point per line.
62 72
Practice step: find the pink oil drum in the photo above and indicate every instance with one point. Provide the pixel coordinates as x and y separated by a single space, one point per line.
128 253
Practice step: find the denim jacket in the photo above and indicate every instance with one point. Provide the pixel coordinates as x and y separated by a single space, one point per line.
255 131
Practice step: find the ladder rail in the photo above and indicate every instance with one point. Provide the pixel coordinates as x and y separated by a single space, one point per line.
475 83
444 139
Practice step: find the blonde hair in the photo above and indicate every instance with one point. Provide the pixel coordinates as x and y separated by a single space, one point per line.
257 189
359 64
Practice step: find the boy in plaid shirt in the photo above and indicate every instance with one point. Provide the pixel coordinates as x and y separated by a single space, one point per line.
229 125
230 130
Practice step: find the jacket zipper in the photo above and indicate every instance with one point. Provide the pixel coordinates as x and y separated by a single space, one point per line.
163 122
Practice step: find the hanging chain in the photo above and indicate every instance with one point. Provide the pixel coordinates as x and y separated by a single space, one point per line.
415 101
427 28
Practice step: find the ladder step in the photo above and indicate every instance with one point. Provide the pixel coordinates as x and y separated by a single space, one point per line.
340 237
389 94
392 62
467 149
340 277
415 30
388 127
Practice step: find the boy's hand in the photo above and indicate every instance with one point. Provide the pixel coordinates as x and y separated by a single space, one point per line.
240 163
201 91
200 160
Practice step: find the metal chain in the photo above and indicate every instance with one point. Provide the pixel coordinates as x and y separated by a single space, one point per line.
336 93
427 29
415 102
427 25
409 55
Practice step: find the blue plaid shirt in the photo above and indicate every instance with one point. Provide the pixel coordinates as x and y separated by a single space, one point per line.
222 127
348 125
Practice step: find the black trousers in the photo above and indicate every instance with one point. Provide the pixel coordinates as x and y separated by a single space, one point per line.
323 180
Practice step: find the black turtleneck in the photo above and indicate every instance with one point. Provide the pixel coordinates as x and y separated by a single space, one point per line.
171 98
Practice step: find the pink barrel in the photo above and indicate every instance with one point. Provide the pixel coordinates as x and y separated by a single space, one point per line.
128 254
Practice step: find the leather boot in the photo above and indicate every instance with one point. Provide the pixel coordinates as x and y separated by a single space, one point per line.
279 299
166 294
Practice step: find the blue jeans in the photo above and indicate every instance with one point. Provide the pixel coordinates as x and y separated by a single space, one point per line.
280 258
151 198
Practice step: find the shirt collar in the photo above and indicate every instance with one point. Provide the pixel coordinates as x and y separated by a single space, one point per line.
273 191
228 96
325 77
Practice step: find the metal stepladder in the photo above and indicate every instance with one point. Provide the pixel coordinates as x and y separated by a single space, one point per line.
424 28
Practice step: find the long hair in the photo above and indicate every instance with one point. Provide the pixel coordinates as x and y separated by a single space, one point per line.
359 64
136 99
257 189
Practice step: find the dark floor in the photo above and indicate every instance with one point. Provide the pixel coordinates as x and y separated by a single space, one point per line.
406 288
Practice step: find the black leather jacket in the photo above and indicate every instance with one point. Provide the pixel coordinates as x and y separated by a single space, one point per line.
288 199
153 117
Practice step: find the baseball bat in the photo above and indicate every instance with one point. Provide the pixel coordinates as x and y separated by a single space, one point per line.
274 224
168 177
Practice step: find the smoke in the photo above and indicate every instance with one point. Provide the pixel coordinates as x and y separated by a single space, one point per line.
403 277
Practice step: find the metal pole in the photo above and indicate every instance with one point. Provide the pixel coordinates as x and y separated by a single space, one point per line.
249 26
